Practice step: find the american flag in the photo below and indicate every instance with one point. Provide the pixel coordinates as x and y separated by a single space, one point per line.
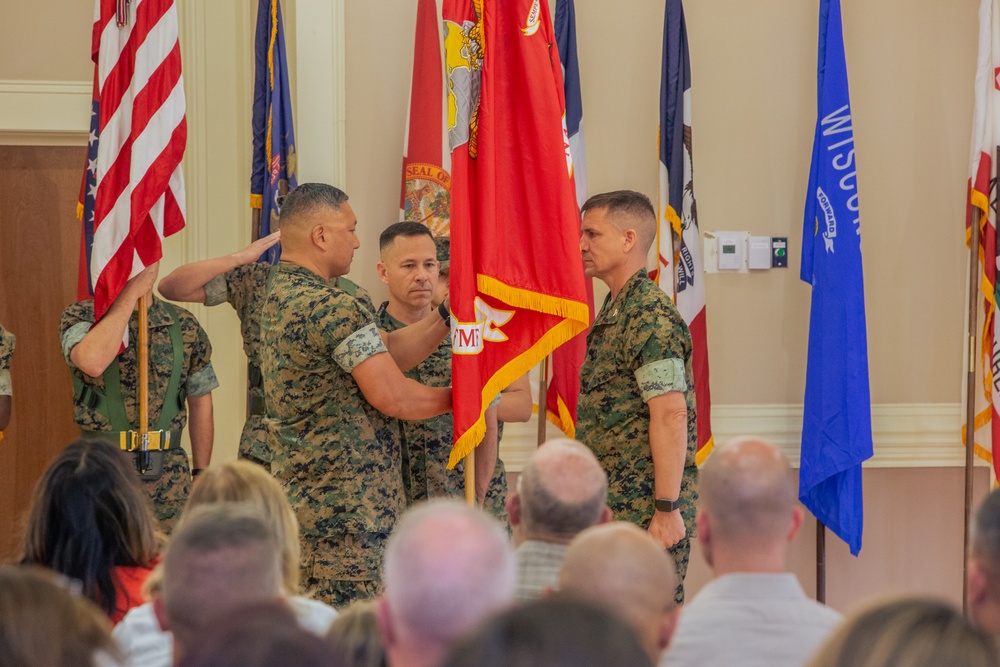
140 188
85 204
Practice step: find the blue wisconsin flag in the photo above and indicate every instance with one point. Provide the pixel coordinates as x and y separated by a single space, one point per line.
274 164
836 425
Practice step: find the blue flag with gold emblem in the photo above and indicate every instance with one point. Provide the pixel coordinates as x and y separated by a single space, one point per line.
836 424
274 162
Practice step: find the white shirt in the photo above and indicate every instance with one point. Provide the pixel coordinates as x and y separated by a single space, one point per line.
144 644
750 619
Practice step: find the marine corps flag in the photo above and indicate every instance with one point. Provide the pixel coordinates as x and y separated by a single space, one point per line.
273 172
836 421
517 288
982 193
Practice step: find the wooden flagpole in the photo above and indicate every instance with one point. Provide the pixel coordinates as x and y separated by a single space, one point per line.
470 477
543 390
820 562
970 398
143 346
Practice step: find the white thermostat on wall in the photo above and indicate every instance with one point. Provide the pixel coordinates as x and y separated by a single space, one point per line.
731 250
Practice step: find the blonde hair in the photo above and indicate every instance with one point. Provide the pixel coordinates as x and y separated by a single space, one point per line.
354 636
910 632
245 482
44 624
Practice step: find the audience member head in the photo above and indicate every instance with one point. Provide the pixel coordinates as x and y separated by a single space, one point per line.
408 265
447 566
748 512
221 558
620 566
354 636
89 515
557 632
617 232
44 624
561 491
983 572
907 633
245 482
317 229
262 635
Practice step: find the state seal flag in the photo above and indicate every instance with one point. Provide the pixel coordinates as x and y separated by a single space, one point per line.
836 422
981 192
273 172
564 386
140 187
426 183
679 270
511 303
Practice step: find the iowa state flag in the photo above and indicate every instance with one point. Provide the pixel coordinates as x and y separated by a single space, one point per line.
982 191
678 246
426 187
517 287
836 422
273 172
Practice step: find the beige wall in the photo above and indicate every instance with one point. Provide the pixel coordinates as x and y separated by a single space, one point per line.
753 65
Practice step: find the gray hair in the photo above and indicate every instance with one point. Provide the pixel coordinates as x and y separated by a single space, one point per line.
447 566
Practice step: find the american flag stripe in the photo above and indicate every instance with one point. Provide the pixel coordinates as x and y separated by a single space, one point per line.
140 187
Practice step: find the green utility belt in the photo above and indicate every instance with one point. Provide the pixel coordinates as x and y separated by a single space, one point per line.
130 441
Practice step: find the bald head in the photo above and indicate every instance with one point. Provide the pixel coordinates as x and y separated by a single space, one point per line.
627 209
620 566
562 489
447 566
747 492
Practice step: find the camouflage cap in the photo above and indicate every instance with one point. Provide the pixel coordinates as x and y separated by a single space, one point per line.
443 244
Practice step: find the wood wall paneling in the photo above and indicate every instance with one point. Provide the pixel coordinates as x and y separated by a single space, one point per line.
39 255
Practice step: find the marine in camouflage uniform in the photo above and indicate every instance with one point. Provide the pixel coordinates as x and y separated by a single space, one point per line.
638 347
6 352
335 454
92 411
426 444
245 289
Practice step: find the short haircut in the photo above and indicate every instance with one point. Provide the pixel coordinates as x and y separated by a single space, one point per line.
89 514
397 229
562 489
557 632
910 632
745 488
627 209
44 622
262 635
620 566
986 531
354 635
309 196
245 482
221 558
447 566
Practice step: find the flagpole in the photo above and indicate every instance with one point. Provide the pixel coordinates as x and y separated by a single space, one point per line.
970 399
543 390
470 477
820 562
143 345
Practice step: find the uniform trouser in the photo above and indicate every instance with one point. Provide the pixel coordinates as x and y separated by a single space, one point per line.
340 569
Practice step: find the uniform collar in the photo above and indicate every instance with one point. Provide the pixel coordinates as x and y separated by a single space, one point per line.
611 310
159 316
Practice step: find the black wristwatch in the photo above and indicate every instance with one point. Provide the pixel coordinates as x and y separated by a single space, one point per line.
666 505
445 315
